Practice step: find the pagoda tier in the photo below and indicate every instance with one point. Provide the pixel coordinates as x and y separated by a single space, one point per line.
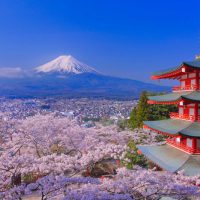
182 134
175 98
180 71
172 159
174 127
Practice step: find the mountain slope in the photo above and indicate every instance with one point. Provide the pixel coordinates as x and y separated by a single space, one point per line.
79 85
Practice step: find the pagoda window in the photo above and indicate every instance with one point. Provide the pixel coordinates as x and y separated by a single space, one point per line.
189 142
182 84
191 111
191 104
192 75
180 110
185 76
193 82
198 143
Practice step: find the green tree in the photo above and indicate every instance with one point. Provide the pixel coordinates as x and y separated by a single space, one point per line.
139 113
159 112
122 124
133 156
144 111
133 119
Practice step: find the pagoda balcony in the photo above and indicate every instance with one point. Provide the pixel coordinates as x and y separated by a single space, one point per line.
183 147
174 115
185 88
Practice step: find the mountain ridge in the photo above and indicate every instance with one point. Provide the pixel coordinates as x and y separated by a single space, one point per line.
72 80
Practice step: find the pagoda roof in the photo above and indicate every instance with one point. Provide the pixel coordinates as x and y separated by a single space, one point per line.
174 127
172 159
176 70
165 71
175 96
194 64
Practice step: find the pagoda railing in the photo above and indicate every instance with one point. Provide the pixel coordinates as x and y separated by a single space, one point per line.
174 115
183 146
187 87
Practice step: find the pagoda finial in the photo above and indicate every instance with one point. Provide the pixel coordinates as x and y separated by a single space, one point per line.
197 57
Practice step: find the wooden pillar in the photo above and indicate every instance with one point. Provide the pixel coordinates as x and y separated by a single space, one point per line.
197 80
196 111
194 144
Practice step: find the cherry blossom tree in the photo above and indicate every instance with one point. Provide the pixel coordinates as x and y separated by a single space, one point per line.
48 144
126 184
50 154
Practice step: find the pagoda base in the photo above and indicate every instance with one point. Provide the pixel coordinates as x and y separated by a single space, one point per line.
172 159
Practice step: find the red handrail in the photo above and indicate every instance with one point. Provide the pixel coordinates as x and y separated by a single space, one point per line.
187 87
182 116
183 146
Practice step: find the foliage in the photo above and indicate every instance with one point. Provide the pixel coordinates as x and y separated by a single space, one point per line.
132 156
122 124
148 112
142 110
160 138
133 119
159 112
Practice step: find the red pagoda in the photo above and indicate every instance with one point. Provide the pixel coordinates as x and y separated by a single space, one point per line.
182 148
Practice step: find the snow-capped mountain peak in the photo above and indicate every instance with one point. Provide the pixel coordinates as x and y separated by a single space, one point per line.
65 64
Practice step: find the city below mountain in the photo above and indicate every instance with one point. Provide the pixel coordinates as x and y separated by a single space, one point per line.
65 76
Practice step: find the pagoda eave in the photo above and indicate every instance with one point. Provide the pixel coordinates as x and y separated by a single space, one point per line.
172 159
175 98
160 132
172 75
174 127
177 72
163 102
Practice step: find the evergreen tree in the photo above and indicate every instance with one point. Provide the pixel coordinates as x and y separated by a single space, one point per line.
133 119
139 113
142 109
133 156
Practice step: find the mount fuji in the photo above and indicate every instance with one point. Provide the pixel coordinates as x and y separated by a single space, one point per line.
65 64
67 77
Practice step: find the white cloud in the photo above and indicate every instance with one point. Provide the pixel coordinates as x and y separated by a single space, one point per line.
11 72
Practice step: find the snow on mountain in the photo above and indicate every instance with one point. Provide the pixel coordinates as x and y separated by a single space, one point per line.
65 64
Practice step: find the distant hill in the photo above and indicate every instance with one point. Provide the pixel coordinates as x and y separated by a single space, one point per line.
67 77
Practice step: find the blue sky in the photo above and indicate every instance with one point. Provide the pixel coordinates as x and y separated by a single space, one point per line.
129 38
